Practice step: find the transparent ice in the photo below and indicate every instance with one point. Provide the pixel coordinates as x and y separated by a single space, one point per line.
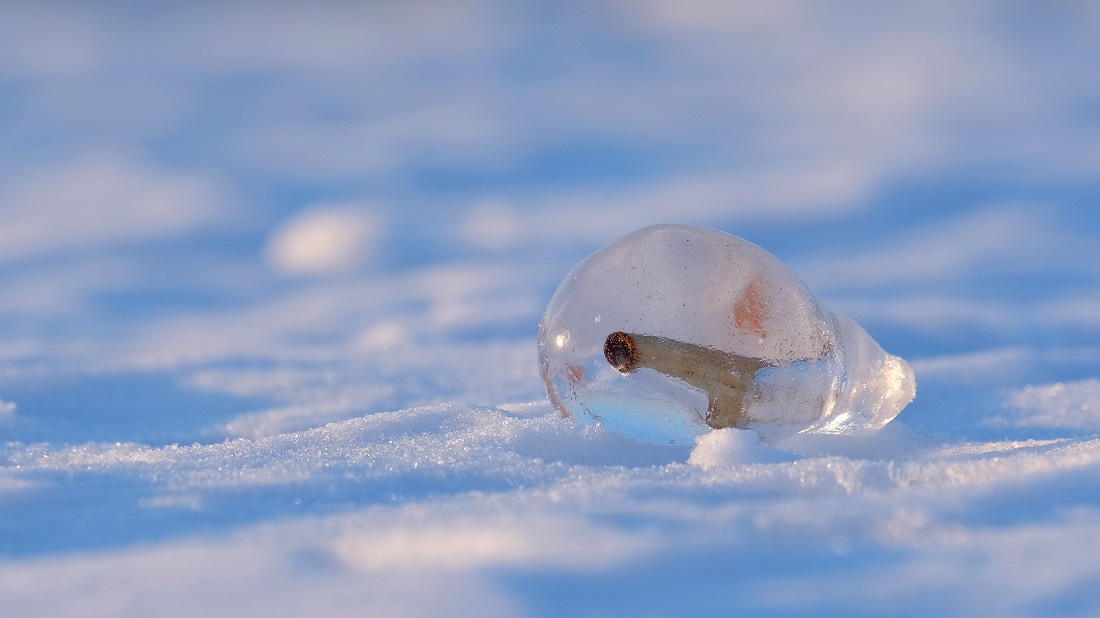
709 331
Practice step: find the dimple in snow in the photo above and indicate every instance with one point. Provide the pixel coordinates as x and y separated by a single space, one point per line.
674 330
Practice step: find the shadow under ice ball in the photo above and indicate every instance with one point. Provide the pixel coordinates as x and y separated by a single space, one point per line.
674 329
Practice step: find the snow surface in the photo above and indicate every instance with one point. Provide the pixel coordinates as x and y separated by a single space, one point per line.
271 277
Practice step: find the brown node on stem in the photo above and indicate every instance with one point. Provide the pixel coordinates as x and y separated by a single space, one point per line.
723 376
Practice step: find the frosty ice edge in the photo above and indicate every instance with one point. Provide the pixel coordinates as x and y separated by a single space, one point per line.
674 330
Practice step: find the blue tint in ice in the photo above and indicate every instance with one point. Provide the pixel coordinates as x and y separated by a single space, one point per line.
819 371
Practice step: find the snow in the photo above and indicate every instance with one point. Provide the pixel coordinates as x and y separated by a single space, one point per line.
322 240
1070 405
271 279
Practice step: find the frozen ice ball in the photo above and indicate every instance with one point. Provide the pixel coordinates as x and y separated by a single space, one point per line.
674 330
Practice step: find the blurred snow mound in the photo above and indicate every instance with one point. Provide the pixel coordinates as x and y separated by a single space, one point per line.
323 240
455 541
1073 405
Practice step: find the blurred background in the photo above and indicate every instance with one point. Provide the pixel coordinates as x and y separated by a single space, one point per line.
237 218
